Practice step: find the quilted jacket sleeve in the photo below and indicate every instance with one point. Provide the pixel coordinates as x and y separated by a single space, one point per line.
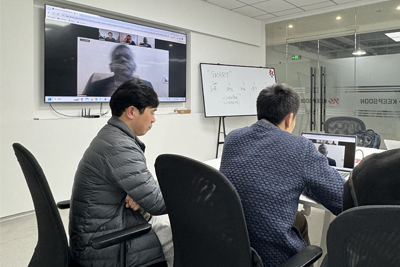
129 170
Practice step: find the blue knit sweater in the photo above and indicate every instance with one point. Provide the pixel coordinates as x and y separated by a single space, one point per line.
270 169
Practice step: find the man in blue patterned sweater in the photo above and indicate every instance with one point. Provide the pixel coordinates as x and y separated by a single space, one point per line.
271 168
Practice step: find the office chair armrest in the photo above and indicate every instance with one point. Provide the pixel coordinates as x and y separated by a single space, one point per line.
62 205
305 257
113 238
120 236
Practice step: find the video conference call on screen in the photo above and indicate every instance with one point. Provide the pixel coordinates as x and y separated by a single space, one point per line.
88 56
339 149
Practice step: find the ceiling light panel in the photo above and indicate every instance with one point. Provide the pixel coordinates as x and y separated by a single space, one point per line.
394 36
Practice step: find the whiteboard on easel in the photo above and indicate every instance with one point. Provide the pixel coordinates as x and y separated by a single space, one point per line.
230 90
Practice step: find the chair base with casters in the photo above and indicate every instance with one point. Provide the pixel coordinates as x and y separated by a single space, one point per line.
364 236
207 220
52 247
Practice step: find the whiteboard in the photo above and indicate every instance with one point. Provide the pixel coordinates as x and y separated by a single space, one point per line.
230 90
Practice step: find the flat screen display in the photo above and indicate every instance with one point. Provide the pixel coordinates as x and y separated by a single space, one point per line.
88 56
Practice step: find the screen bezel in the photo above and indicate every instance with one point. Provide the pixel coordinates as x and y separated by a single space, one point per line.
177 80
349 157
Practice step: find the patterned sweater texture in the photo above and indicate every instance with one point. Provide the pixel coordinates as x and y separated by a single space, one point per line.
270 169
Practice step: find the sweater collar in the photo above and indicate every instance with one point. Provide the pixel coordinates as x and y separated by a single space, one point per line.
114 121
267 124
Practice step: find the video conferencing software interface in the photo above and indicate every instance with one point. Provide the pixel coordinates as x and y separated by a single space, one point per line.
88 56
340 150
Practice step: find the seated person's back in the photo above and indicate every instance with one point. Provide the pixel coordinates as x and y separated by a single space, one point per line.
374 181
270 168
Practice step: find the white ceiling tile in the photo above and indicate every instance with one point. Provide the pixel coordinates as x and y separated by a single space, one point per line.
249 11
300 3
346 1
273 6
251 2
288 12
228 4
318 6
266 16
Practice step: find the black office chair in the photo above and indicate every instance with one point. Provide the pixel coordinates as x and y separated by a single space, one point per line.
353 126
52 247
207 220
365 236
343 125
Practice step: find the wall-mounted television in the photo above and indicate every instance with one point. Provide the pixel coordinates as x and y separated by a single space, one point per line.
88 56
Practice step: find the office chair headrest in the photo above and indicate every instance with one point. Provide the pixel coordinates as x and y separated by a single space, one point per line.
375 181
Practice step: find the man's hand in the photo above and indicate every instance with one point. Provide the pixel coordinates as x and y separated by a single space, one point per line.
130 203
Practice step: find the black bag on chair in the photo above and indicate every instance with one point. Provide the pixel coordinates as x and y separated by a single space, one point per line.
368 138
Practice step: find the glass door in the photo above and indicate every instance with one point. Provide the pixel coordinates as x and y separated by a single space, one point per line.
315 56
321 73
302 74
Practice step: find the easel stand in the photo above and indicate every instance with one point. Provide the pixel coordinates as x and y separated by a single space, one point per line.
221 120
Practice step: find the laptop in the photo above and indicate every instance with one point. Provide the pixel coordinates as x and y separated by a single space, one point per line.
340 150
391 144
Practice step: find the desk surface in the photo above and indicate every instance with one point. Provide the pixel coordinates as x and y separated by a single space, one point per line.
362 152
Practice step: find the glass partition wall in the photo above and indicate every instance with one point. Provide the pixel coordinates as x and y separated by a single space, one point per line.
342 63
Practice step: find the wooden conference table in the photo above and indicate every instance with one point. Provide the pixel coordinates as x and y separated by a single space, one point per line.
309 203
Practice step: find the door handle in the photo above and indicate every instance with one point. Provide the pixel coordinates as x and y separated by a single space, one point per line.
322 98
312 99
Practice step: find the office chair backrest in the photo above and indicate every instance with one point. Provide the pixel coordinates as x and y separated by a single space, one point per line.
365 236
343 125
207 220
52 246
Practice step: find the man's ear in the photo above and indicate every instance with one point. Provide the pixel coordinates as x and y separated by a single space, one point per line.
130 112
288 120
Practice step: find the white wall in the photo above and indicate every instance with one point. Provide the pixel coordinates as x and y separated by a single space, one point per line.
58 143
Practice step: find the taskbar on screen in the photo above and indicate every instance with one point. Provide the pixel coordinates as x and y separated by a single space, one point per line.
98 99
80 99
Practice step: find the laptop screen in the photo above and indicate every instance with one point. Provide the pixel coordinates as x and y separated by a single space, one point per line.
340 150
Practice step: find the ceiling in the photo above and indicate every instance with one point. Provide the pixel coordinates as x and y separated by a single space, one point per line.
312 19
277 10
375 43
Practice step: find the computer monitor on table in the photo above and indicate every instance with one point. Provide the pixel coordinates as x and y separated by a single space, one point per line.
339 149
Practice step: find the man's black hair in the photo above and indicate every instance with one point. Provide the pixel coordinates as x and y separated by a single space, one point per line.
132 93
275 102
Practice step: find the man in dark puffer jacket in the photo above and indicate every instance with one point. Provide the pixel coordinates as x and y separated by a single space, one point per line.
113 171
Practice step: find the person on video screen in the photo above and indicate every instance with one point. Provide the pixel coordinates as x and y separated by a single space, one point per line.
128 40
145 43
110 37
324 151
123 66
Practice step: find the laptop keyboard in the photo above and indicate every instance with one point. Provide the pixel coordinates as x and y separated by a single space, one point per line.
344 174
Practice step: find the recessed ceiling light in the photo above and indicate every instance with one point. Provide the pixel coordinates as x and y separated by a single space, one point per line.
338 17
398 8
359 52
290 26
394 36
